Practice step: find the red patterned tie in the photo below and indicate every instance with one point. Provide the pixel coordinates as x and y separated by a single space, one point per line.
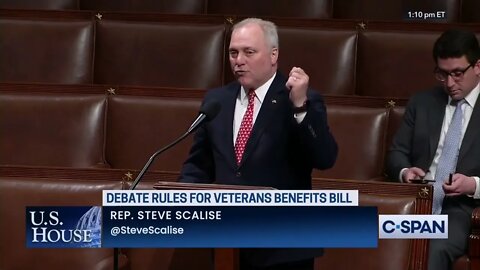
245 127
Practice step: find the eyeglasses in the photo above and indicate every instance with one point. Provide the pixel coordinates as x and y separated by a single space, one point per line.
457 75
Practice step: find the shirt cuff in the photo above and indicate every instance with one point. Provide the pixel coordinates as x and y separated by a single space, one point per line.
476 195
400 175
299 116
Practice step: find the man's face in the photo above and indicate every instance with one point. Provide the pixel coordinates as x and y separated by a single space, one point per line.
458 87
252 59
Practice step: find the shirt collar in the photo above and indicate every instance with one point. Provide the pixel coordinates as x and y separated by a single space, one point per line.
260 92
471 98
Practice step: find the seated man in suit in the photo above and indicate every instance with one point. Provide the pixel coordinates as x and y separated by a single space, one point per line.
439 139
271 131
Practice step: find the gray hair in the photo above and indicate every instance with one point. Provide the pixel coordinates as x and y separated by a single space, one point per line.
268 27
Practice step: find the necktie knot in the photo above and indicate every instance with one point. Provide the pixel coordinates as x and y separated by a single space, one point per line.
457 103
251 96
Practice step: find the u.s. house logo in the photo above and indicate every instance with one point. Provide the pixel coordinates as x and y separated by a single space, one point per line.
63 227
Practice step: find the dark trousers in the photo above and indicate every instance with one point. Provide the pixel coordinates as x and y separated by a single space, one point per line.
297 265
444 252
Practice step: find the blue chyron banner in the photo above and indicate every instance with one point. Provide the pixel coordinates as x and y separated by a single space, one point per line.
201 226
240 227
63 227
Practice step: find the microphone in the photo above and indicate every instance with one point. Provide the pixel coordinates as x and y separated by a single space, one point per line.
207 112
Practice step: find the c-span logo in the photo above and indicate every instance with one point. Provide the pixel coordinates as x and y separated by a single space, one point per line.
413 226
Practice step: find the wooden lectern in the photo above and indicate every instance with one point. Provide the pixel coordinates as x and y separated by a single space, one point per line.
224 258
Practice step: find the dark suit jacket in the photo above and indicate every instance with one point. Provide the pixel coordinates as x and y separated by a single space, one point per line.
280 153
415 143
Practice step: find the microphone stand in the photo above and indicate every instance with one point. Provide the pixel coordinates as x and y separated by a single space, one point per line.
152 158
208 111
143 171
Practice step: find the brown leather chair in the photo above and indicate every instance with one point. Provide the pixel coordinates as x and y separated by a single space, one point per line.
52 130
19 192
184 55
395 119
363 157
395 63
139 126
327 55
53 50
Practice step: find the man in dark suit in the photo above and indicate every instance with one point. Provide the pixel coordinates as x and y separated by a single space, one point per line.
442 127
271 131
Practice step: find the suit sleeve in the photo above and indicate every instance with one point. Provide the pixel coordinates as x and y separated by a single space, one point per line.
315 135
399 154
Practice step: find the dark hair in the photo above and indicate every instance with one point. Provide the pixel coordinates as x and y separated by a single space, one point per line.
457 43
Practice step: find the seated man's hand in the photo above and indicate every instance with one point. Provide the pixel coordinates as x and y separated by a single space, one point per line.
412 173
461 184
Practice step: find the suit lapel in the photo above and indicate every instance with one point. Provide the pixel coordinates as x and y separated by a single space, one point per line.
273 100
471 134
